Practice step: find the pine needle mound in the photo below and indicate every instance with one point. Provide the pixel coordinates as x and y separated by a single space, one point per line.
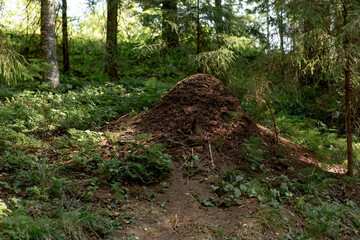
197 105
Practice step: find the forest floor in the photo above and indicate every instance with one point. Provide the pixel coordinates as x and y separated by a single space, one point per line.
218 189
195 166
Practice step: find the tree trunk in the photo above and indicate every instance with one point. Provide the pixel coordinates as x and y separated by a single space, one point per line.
347 68
198 32
169 32
281 31
66 62
268 24
348 118
280 22
48 42
111 67
219 25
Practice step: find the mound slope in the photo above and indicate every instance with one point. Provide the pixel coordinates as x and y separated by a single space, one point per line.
198 105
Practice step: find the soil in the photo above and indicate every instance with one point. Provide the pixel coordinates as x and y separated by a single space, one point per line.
197 104
200 116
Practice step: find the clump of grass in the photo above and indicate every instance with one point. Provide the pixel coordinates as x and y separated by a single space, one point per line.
63 223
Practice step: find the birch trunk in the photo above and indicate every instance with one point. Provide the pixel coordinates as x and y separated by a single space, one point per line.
48 42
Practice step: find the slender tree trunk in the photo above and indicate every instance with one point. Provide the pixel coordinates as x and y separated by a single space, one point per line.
348 99
281 32
219 25
348 118
66 62
198 32
293 37
48 42
169 32
111 67
268 24
279 14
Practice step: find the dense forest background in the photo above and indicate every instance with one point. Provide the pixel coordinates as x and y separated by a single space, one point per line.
294 66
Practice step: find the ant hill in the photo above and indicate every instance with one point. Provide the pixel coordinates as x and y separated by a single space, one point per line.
199 115
199 105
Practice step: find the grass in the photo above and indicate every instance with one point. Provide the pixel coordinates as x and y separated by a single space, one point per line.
64 223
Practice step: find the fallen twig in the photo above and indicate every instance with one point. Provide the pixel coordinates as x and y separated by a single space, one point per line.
175 222
211 156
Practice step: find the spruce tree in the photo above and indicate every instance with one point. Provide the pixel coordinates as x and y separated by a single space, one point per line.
169 23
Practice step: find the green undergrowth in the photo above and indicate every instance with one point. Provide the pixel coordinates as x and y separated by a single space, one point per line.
30 219
140 162
306 209
52 162
313 205
327 144
55 162
316 137
54 193
32 115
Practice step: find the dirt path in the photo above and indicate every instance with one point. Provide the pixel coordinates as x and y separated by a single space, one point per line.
178 214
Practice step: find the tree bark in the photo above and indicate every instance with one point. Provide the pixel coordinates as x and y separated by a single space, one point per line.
198 32
66 62
268 24
281 31
347 68
111 67
348 119
48 42
279 14
169 33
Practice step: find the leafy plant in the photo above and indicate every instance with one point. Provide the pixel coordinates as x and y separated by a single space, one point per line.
328 219
273 191
141 162
233 186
